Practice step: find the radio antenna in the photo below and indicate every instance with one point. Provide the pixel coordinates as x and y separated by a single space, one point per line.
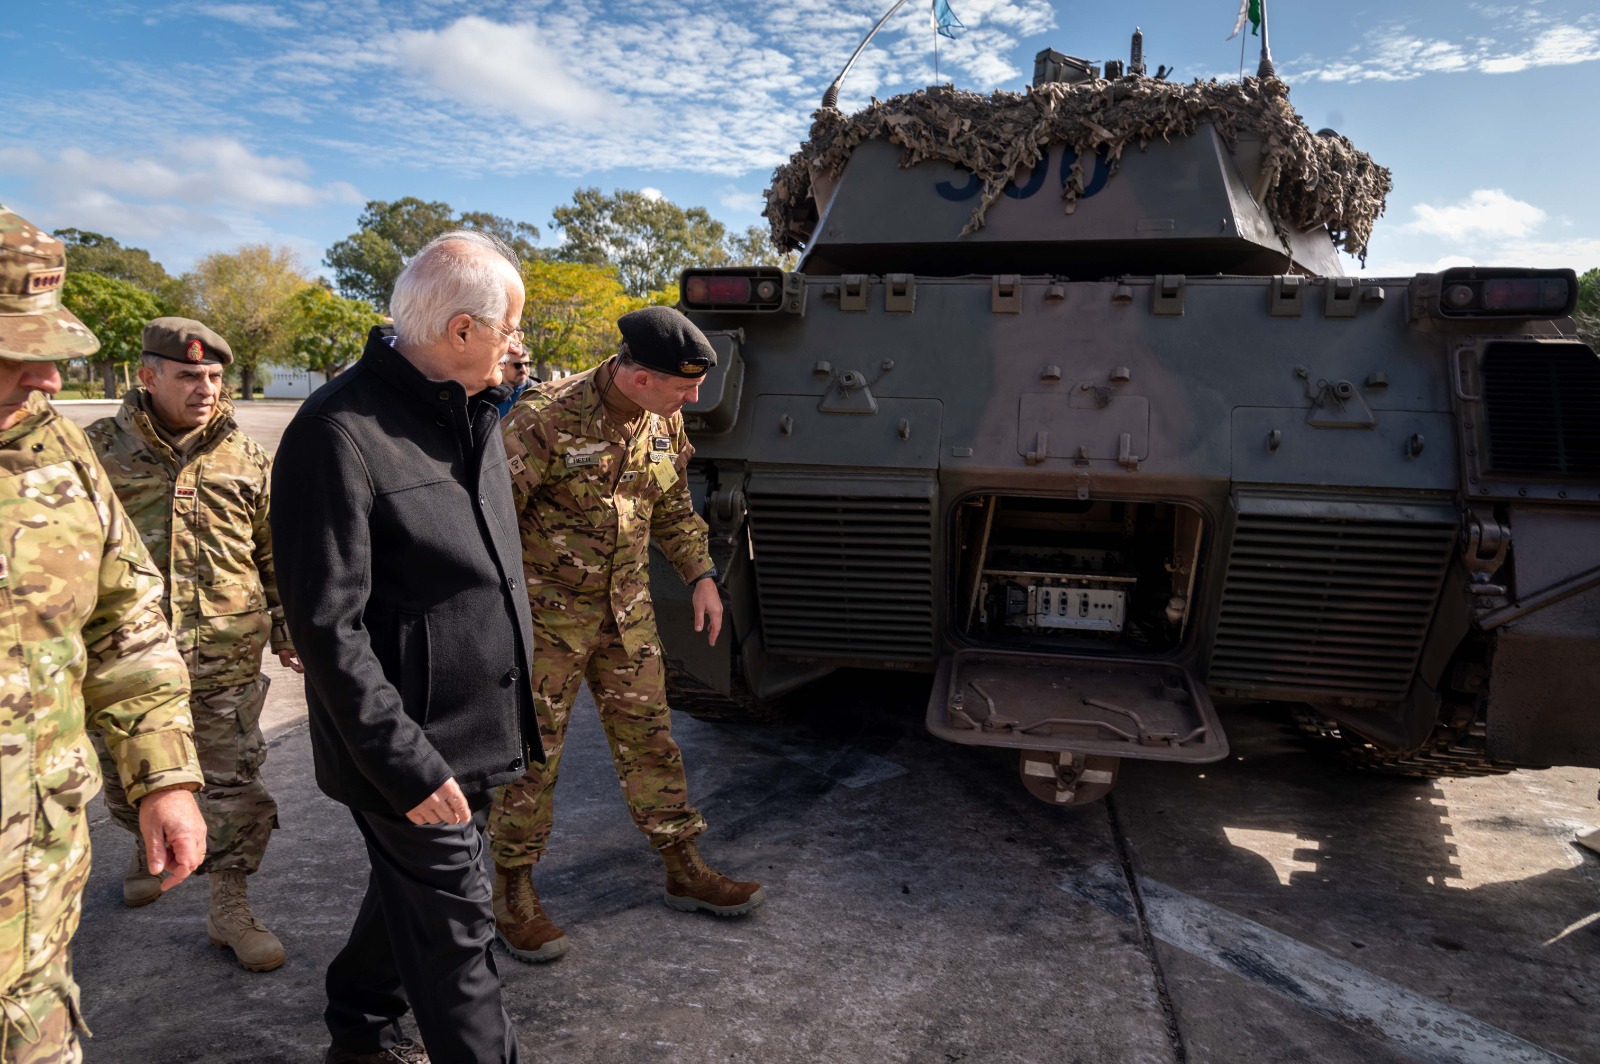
831 97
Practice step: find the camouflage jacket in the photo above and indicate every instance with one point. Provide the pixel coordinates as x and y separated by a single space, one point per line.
204 520
589 500
85 646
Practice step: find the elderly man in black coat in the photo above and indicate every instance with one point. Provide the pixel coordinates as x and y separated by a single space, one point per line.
400 570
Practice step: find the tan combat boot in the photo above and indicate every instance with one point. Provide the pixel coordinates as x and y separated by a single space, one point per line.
692 885
231 923
139 887
520 921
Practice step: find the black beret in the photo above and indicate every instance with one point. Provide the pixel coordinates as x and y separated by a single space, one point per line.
186 340
665 340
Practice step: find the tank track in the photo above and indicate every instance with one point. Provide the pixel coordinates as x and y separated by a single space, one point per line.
1457 746
740 706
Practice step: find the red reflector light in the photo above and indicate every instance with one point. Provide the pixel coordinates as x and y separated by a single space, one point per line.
1525 293
717 289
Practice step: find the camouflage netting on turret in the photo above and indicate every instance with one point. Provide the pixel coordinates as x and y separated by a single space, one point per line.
1310 180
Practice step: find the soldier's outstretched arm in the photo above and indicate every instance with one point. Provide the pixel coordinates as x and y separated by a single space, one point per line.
136 693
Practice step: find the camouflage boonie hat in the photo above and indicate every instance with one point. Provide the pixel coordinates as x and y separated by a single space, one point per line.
34 326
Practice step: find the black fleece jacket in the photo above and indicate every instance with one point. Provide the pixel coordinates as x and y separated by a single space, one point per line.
400 570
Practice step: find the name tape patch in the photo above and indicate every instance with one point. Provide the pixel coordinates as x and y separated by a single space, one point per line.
574 461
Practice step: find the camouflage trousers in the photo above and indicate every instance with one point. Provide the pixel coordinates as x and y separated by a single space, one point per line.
39 1022
39 1017
240 814
630 693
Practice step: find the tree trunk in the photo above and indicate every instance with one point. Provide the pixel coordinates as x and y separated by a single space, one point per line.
108 378
247 381
542 370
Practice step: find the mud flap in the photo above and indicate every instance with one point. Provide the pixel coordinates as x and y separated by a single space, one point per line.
711 666
1072 717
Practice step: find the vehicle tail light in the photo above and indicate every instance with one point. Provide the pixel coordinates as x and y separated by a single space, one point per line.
1480 292
723 289
745 288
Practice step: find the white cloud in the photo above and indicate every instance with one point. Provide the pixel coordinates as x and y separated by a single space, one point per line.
1392 53
652 193
507 68
1487 212
253 16
1581 255
195 187
734 199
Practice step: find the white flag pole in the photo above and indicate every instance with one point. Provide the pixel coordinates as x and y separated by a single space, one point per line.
1266 69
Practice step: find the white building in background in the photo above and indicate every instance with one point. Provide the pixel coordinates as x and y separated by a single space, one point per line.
286 383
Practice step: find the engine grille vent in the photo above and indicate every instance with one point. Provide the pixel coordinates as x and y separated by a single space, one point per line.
1327 604
1544 409
846 576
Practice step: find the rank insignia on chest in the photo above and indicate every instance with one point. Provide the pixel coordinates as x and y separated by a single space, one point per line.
184 493
660 443
630 476
576 461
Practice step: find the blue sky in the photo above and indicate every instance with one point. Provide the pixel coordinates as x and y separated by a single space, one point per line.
194 126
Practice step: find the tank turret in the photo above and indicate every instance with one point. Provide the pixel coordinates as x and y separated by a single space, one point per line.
1081 175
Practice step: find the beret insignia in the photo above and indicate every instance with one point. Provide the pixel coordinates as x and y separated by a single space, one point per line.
195 352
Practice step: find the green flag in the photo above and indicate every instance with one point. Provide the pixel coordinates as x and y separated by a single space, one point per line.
1248 9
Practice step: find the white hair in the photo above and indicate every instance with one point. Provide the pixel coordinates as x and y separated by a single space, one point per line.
460 272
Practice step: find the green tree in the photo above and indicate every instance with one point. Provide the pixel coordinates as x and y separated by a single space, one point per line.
366 263
104 255
329 331
753 247
648 239
248 297
116 311
1587 316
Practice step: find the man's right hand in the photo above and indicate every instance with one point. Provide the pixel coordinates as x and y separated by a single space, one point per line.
174 834
447 805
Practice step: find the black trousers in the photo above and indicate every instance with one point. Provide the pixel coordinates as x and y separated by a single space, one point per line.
423 941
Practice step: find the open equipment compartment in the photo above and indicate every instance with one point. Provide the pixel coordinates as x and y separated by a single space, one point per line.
1093 576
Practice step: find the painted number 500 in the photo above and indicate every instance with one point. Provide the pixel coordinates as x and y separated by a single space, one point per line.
1099 174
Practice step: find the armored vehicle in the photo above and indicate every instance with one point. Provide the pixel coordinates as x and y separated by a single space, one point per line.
1070 404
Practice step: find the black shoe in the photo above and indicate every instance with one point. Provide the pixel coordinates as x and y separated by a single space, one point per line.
404 1051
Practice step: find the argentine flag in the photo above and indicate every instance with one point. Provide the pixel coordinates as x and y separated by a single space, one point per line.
945 21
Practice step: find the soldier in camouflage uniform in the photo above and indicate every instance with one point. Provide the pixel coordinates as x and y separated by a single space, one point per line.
84 645
196 488
598 468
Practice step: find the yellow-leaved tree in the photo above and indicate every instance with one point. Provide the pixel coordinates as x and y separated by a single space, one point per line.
569 319
248 297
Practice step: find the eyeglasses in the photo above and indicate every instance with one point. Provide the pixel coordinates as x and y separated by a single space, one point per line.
520 365
515 335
